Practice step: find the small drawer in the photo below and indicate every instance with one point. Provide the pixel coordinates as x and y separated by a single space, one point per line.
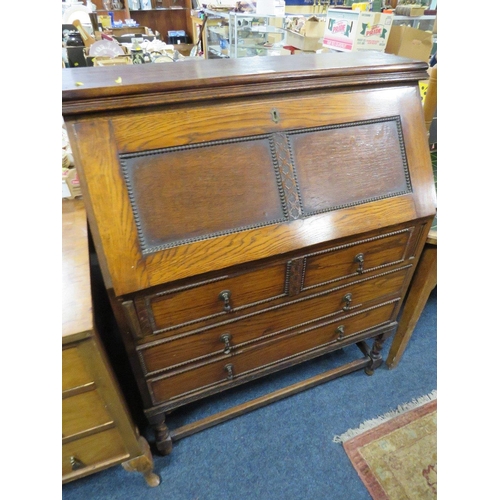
226 369
91 451
227 338
83 412
210 299
74 370
355 258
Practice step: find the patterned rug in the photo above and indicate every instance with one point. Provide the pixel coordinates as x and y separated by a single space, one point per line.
395 455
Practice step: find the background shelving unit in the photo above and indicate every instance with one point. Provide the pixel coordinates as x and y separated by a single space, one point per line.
164 16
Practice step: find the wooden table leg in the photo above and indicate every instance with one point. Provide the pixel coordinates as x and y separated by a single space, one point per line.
423 282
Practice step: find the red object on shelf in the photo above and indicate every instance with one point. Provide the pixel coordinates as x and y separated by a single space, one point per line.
291 48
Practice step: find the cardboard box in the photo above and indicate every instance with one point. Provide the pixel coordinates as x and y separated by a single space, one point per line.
310 36
71 184
409 42
355 31
108 61
270 7
411 10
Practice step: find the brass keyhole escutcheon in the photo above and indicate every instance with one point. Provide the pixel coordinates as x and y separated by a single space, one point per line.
275 115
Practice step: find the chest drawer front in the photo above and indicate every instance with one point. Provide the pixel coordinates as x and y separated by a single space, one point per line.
93 450
205 376
217 299
74 370
83 412
232 335
355 258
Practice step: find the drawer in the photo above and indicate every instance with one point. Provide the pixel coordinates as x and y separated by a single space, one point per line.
278 320
216 372
83 412
74 370
216 298
93 450
355 258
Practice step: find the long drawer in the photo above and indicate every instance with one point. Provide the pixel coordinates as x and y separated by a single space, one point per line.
224 368
93 451
179 308
75 372
234 334
83 412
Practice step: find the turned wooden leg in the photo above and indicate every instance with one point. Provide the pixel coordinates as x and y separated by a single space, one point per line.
376 357
162 435
143 464
423 282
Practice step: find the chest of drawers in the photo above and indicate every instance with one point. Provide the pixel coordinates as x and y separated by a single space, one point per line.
249 215
97 430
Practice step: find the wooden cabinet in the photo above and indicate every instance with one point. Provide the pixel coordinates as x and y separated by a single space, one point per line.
119 8
164 16
97 431
251 214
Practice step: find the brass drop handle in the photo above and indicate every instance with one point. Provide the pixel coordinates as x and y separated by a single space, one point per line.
340 330
230 374
226 339
225 296
76 464
360 259
347 298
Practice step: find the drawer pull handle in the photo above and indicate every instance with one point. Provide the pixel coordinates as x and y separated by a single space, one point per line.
226 338
225 296
230 373
360 258
76 464
347 298
340 330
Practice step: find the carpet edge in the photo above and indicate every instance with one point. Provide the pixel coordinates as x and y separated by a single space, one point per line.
374 422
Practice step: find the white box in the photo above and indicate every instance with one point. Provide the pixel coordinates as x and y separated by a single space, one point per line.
270 7
348 30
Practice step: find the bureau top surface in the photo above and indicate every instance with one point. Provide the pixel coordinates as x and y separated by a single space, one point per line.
245 76
76 295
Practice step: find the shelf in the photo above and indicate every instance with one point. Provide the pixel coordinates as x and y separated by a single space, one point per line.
160 9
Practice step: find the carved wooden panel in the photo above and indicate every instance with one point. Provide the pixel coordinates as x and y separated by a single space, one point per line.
189 193
346 165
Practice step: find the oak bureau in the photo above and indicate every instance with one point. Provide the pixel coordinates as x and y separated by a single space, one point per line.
251 214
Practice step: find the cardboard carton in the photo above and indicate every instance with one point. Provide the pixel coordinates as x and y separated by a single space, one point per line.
355 31
71 184
411 10
409 42
310 36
